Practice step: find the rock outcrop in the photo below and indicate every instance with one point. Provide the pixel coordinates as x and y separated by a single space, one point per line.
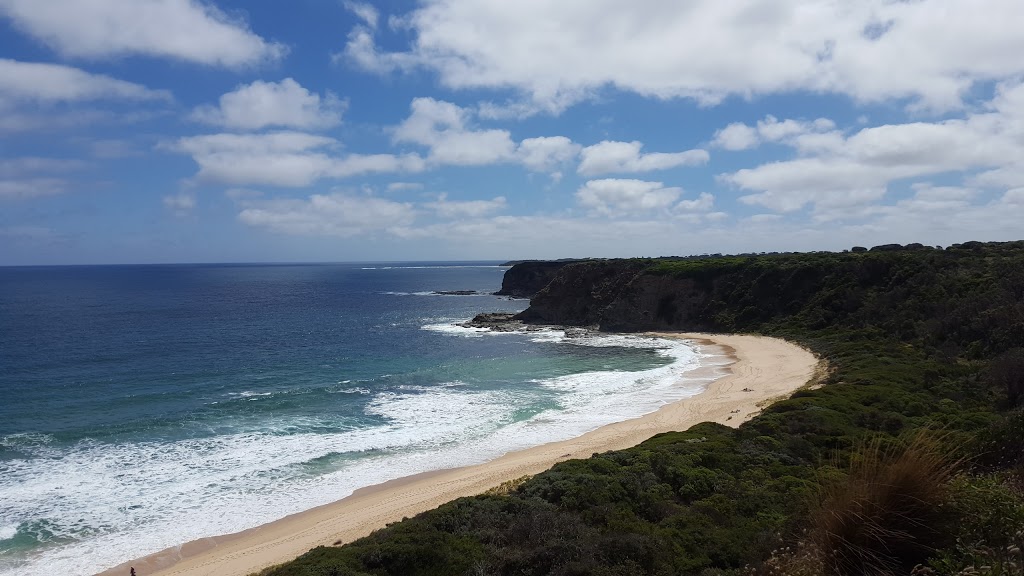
578 293
526 279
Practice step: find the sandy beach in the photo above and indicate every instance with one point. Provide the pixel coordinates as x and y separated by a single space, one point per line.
763 370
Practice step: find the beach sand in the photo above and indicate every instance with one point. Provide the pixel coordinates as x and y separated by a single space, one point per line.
764 370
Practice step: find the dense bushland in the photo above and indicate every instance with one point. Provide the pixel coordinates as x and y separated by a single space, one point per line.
917 428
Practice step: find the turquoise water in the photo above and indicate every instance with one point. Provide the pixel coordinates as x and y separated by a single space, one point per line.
146 406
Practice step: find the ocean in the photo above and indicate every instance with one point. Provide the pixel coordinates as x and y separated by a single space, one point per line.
142 407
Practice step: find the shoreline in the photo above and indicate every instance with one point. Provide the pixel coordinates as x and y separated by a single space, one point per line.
762 370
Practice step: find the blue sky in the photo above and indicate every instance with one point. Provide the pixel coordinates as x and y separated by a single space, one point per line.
136 131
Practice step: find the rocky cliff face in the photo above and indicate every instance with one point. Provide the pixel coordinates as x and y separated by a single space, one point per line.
618 296
658 303
526 279
579 293
630 296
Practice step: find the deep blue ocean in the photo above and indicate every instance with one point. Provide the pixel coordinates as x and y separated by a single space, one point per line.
146 406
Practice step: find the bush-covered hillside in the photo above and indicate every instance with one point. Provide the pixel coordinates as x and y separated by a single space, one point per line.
835 480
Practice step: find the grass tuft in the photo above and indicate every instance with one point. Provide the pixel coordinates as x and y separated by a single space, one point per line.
887 514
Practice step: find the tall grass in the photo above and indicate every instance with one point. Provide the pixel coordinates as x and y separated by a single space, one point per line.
888 513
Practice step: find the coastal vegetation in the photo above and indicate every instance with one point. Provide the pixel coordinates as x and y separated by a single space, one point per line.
909 459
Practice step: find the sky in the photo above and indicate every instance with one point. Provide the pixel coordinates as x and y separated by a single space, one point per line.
158 131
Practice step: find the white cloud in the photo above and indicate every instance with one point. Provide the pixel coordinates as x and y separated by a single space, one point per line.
813 135
356 164
189 30
465 209
35 82
292 159
334 215
702 203
929 198
447 130
930 52
547 236
366 12
362 51
441 126
284 104
623 157
618 197
736 136
838 173
547 153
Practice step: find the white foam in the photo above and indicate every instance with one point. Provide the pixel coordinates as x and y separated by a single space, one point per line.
136 499
8 531
457 330
355 390
250 394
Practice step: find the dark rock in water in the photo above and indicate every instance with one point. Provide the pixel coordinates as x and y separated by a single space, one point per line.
455 292
488 318
498 322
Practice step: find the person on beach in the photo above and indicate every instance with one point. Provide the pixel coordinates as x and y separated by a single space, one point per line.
133 571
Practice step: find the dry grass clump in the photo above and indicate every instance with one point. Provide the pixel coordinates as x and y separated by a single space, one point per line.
884 517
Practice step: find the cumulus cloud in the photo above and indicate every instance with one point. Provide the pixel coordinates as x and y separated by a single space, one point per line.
291 159
617 197
841 172
736 136
930 52
547 153
284 104
702 203
625 157
442 127
805 135
333 215
188 30
52 83
446 130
